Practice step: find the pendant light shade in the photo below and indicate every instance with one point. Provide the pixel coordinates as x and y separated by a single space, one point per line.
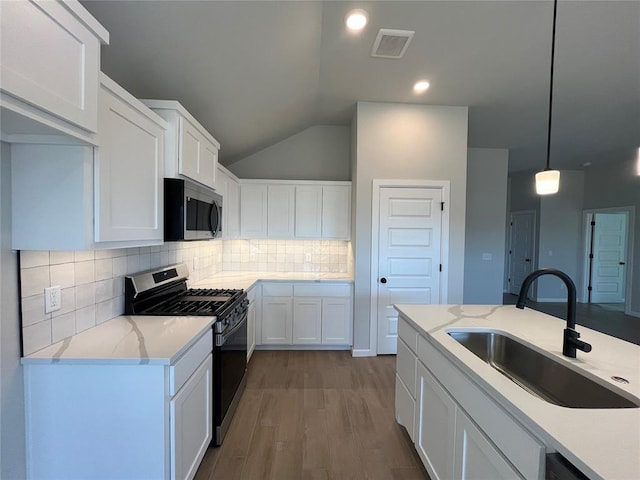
548 181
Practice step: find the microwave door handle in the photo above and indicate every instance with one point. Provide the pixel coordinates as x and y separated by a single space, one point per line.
215 226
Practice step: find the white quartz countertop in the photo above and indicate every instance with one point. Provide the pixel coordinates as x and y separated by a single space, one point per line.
602 443
128 339
246 280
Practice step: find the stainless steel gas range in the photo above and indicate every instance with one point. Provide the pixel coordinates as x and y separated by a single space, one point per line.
164 292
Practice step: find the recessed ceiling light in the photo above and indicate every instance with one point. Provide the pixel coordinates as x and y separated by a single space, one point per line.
586 164
356 20
421 86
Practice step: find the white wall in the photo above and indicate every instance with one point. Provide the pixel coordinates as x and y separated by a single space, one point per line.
485 225
615 182
12 434
406 141
561 235
317 153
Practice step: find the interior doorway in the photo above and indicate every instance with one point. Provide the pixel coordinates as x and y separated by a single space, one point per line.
522 235
607 257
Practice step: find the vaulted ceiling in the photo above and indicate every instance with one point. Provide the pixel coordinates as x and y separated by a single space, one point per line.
255 72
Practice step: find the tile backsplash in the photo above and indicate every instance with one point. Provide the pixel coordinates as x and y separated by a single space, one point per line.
92 282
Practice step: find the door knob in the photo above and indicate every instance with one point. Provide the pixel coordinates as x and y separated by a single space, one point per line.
527 259
383 280
621 263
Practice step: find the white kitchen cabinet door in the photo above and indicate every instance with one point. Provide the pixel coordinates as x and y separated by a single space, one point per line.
307 320
198 157
191 423
251 329
475 455
336 321
336 212
50 59
308 218
280 211
128 169
253 211
277 320
405 408
434 426
231 204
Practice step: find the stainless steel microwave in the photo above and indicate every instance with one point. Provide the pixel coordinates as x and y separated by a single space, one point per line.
191 211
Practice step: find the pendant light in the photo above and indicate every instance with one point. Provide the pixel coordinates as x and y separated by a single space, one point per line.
548 181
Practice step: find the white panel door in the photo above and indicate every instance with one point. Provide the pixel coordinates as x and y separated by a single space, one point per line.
410 224
609 258
521 247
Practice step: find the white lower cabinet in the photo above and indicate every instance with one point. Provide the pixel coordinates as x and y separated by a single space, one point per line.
251 322
305 314
458 430
119 421
436 423
191 425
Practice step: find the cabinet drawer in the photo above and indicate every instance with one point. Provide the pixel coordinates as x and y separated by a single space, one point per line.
315 290
406 366
277 290
523 450
407 333
184 367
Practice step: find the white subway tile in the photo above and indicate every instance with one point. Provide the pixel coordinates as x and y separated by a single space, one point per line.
34 280
57 257
33 310
36 337
85 318
119 252
85 295
119 266
83 255
67 302
102 254
133 264
133 251
104 311
104 290
63 275
118 286
85 272
104 269
118 306
63 326
34 258
144 261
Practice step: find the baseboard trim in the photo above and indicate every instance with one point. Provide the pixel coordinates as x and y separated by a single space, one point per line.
303 347
551 300
362 352
633 314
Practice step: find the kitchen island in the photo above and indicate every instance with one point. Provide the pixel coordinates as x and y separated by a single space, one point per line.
519 427
129 398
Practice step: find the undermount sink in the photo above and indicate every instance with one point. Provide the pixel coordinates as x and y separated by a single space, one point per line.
538 374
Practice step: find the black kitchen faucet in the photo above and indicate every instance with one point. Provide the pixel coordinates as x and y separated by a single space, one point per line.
570 341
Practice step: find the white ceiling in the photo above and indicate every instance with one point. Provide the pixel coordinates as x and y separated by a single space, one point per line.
256 72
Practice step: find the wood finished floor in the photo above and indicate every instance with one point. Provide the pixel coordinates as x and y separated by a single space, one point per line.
315 415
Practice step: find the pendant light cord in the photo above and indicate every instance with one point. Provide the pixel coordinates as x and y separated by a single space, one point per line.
553 51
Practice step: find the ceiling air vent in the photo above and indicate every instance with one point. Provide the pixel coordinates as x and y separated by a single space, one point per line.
391 43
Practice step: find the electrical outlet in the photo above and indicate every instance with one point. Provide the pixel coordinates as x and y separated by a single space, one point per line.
52 299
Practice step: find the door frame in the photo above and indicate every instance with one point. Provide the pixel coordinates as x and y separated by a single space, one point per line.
444 186
533 293
586 242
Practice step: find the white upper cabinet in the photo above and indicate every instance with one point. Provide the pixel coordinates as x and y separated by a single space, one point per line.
302 210
308 211
228 186
67 197
253 210
280 211
336 212
191 151
129 168
49 66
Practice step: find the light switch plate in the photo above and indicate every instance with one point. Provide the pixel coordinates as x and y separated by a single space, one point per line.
52 299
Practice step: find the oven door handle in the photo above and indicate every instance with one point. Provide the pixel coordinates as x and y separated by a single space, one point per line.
221 339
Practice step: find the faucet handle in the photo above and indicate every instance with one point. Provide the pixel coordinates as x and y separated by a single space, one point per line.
571 343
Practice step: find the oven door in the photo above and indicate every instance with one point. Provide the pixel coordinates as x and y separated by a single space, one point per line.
230 365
